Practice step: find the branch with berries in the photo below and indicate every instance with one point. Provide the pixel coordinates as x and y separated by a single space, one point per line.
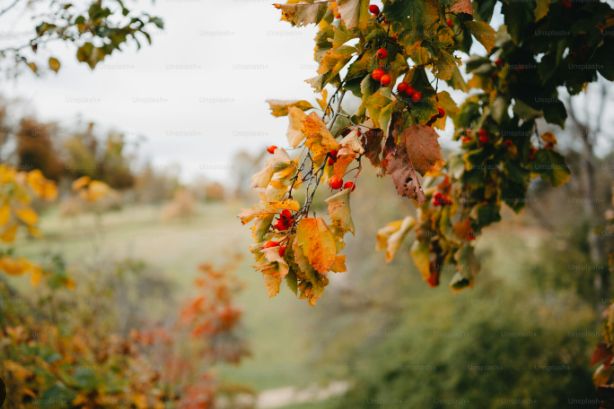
391 61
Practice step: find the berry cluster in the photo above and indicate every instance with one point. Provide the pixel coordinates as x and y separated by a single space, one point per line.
336 183
273 243
405 89
439 199
284 221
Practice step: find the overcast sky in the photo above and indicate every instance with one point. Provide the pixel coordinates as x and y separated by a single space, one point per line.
198 93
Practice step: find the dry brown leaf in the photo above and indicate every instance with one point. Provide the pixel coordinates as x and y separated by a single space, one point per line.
423 148
462 6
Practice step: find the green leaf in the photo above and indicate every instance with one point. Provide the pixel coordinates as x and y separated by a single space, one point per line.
483 32
499 109
551 166
525 111
487 213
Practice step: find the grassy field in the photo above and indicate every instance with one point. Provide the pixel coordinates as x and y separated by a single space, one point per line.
277 328
274 327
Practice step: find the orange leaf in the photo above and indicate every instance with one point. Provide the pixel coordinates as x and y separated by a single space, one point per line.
317 242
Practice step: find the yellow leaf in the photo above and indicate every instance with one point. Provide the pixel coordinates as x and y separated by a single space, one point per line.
268 209
8 235
274 270
420 256
319 140
339 211
42 187
391 236
301 14
54 64
17 370
280 108
295 134
36 275
549 138
14 267
483 32
96 191
317 243
27 215
80 183
5 214
354 13
339 264
541 9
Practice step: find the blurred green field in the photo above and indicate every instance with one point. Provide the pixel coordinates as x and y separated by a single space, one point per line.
274 327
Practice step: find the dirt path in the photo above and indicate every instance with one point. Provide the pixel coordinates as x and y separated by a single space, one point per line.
281 397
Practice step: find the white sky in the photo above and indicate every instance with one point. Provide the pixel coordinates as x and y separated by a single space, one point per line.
197 94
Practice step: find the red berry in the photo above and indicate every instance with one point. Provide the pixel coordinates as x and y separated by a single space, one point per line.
507 143
335 182
465 139
416 96
433 280
385 80
402 87
441 112
377 73
349 185
532 153
410 91
566 4
286 214
498 62
449 23
382 53
483 139
281 225
374 9
282 251
270 244
271 149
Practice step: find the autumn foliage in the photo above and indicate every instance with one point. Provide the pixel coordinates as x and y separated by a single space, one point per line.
398 64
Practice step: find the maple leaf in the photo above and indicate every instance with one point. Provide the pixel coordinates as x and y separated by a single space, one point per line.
317 243
280 107
390 237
